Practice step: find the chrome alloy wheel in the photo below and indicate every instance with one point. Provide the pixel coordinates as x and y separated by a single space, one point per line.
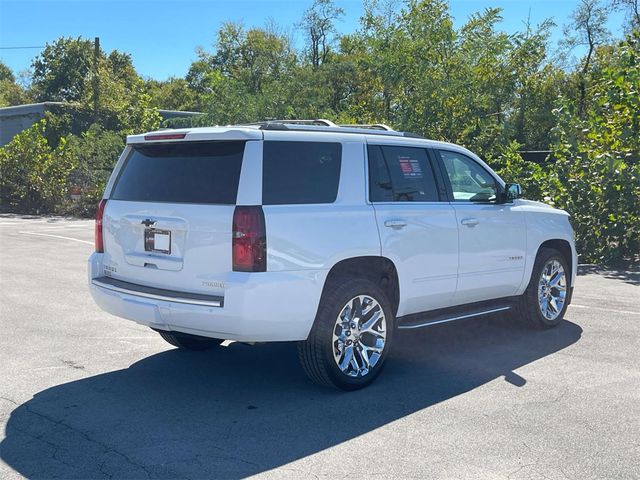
359 336
552 289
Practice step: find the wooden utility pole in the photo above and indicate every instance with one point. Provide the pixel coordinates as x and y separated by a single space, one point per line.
96 77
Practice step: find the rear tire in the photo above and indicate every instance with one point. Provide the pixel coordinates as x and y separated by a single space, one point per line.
189 342
546 298
351 336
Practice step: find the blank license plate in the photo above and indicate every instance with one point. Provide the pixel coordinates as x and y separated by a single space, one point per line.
157 240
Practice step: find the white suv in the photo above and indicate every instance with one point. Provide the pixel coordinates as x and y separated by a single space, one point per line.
327 235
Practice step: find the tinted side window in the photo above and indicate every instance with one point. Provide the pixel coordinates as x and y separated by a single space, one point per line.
400 174
181 173
469 181
300 172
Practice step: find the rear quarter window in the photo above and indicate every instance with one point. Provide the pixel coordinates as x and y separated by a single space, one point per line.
300 172
203 172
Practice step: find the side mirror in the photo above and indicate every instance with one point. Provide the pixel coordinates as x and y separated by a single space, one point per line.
512 191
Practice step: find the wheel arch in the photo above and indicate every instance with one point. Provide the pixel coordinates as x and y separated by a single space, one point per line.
564 247
379 270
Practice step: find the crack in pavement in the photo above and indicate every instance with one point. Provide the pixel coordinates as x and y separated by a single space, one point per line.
106 448
10 401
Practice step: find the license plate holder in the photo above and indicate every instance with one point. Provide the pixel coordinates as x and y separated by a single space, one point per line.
157 241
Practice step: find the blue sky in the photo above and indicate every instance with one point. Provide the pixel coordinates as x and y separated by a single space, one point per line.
161 35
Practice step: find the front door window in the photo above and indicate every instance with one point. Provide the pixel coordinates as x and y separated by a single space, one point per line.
469 181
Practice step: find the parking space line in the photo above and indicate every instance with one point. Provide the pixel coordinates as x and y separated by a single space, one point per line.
57 236
62 227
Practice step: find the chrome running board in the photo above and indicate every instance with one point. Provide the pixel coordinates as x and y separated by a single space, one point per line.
405 324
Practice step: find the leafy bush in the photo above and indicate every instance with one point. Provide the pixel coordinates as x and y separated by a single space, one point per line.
408 65
96 152
36 178
597 173
33 176
510 165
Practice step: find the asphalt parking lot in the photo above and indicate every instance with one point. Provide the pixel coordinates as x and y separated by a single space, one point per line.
87 395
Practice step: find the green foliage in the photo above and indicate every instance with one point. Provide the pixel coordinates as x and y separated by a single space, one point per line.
474 85
61 71
36 178
103 89
6 73
123 103
513 169
173 94
318 23
95 152
597 174
595 170
247 77
10 92
408 65
33 176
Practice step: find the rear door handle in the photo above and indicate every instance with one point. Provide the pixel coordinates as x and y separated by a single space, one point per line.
395 224
470 222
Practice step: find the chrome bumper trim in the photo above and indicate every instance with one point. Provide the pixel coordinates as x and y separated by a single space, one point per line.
135 290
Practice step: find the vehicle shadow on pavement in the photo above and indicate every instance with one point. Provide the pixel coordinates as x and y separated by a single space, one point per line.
242 410
627 276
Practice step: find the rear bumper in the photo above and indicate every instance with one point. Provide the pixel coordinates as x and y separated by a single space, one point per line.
255 307
111 284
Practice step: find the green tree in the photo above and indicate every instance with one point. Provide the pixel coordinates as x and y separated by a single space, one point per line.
589 30
6 73
123 106
509 164
61 71
10 92
318 24
597 172
95 153
537 85
107 86
172 94
425 76
246 77
33 176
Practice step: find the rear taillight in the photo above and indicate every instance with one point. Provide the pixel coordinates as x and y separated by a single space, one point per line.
98 234
249 240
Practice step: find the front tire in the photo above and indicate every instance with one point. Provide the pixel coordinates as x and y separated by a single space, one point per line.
351 336
546 298
189 342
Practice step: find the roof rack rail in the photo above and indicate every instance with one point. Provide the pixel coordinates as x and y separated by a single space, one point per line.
322 125
371 126
315 121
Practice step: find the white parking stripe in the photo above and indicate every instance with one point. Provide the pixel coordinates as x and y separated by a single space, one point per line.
63 227
57 236
605 309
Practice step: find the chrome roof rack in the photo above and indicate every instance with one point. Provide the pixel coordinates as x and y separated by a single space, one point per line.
322 125
315 121
371 126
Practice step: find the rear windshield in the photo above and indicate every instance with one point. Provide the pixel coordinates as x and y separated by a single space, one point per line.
206 172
